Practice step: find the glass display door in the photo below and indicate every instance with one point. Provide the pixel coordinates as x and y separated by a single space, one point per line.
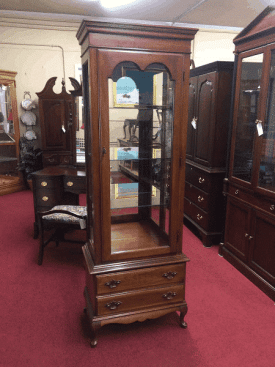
138 142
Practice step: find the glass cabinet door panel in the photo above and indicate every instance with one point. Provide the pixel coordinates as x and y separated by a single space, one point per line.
140 137
249 92
267 163
8 155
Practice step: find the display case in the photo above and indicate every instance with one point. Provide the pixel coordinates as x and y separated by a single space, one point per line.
10 178
250 187
135 85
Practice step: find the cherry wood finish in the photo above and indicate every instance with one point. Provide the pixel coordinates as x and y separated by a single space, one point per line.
10 179
55 186
56 116
250 218
210 89
141 275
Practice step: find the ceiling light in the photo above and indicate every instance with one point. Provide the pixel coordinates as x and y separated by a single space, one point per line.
110 4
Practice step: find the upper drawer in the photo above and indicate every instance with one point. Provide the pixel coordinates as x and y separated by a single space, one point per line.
197 196
74 183
197 177
45 182
142 278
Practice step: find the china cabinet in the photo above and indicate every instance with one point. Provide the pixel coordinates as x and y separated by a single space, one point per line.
10 178
250 187
58 125
134 75
210 89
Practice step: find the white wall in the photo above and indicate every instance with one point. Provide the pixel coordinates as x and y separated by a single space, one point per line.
33 48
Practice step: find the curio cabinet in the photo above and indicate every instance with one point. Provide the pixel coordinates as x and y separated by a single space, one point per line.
249 242
135 90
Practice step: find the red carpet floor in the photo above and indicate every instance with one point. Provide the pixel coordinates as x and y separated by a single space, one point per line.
231 323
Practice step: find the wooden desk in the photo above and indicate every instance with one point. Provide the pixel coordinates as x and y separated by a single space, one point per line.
54 186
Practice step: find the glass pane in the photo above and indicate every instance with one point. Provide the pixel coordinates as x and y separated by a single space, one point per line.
141 134
247 115
80 139
267 165
8 159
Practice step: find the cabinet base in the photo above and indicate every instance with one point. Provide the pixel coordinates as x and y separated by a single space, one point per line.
208 238
249 273
96 322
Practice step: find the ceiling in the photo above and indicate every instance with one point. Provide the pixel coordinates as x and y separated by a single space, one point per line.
220 13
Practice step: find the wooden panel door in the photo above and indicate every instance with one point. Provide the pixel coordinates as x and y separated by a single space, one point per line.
237 228
205 118
262 246
192 111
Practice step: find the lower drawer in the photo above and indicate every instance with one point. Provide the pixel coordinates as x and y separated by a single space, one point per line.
196 214
131 301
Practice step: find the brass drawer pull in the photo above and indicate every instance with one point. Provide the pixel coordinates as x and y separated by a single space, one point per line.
70 183
44 183
201 180
170 275
200 199
199 217
250 237
113 283
45 198
246 235
272 207
113 305
237 192
169 295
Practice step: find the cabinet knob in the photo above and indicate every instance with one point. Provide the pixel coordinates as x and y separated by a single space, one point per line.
250 237
199 217
201 180
70 183
169 295
237 192
200 199
170 275
246 235
113 283
44 183
272 207
45 198
113 305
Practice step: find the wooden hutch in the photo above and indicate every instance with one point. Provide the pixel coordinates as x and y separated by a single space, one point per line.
249 242
135 268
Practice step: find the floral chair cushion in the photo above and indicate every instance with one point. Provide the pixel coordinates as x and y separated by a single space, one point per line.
67 218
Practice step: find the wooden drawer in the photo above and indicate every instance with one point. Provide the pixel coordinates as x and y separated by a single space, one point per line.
45 182
262 203
198 178
75 184
142 278
48 197
131 301
197 196
196 214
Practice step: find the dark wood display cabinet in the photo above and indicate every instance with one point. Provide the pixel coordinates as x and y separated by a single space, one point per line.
249 242
58 125
210 88
135 268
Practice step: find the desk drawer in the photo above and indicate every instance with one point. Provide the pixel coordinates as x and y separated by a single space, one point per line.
45 182
142 278
75 184
48 197
197 196
131 301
